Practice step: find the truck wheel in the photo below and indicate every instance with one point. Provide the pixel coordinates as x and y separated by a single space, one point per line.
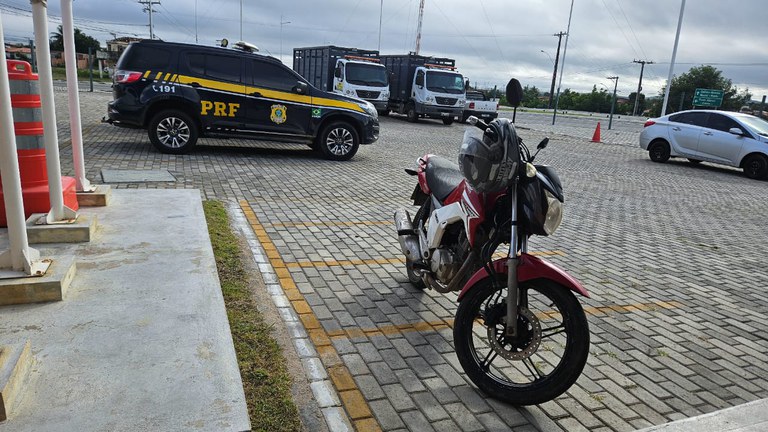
384 112
448 121
172 131
410 112
338 141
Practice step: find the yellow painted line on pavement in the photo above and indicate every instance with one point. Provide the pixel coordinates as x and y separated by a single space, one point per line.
388 330
330 223
397 260
352 399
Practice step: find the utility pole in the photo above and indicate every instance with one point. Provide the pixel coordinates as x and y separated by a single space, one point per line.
148 8
615 80
562 66
554 72
418 29
639 84
672 63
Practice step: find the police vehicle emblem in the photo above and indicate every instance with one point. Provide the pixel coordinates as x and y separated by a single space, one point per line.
316 113
279 114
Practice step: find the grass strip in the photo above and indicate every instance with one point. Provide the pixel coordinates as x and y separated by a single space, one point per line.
266 381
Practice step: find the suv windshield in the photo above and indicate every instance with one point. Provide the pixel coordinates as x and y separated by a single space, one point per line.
445 82
757 124
366 74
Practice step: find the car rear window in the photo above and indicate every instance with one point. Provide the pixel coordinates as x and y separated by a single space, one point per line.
141 57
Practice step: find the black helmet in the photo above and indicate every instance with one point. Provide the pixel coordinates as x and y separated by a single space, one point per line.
489 161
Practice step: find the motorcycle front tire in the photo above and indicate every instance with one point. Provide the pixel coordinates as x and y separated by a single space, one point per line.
542 390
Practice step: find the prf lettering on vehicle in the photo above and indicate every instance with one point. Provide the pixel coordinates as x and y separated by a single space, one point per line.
220 109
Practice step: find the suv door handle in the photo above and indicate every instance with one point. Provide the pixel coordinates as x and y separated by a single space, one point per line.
676 129
257 94
194 84
707 133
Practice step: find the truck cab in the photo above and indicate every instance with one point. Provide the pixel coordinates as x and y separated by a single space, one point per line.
438 92
364 78
427 87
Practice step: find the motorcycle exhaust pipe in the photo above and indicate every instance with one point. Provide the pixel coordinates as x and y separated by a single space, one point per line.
409 242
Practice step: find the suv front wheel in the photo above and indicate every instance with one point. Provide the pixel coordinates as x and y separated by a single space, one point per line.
173 131
338 141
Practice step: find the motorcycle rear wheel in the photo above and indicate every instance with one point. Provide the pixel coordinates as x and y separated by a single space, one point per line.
542 362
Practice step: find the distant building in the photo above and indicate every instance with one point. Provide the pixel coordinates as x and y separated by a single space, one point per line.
116 46
18 52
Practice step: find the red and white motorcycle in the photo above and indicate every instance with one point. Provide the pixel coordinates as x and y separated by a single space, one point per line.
520 333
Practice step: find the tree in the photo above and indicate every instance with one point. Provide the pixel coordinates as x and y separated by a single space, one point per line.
531 97
641 106
82 41
684 86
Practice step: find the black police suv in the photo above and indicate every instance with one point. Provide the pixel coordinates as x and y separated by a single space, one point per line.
180 92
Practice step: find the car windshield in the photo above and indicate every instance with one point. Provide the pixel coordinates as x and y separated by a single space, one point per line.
367 74
445 82
758 125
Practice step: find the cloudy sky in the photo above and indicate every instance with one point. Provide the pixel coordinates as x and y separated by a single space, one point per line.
491 40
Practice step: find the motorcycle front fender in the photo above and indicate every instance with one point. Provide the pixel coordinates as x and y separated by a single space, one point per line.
530 268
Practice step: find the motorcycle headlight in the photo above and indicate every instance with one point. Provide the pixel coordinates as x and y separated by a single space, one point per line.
554 213
369 109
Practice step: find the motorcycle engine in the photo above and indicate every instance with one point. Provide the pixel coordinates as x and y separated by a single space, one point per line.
444 264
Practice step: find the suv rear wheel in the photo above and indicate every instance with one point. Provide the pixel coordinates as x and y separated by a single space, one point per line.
173 131
338 141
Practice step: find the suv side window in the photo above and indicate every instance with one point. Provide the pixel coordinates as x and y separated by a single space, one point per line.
721 123
691 118
273 76
141 58
213 66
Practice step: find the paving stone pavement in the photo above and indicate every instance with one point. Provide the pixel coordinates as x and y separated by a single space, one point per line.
671 254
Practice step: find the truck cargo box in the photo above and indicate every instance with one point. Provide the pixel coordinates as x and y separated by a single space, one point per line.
316 64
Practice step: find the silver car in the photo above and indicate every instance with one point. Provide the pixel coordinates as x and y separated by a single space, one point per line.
727 138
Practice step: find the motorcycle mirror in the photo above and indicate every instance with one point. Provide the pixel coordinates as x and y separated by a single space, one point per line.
543 144
514 93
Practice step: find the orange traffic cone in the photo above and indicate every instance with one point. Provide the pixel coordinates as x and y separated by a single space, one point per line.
596 135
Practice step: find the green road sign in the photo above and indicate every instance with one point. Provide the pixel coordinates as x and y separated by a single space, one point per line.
708 97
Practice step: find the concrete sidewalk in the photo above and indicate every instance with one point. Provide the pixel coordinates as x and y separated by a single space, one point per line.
141 341
749 417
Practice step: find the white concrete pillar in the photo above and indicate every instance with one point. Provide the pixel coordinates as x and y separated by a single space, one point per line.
73 93
19 257
50 133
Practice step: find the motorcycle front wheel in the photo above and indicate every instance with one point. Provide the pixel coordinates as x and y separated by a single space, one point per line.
545 358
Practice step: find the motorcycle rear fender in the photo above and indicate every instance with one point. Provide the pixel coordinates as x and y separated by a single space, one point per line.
530 268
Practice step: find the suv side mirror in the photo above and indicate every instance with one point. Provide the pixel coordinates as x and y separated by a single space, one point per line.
301 88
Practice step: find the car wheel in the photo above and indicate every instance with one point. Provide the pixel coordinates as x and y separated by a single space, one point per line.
755 166
410 112
693 161
659 151
339 141
448 121
173 131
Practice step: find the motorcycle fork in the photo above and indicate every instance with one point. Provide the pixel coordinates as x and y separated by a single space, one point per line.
513 289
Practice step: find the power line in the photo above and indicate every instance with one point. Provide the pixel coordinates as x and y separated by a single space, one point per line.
148 8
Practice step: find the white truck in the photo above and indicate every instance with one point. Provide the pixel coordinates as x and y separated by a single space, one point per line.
480 106
348 71
425 87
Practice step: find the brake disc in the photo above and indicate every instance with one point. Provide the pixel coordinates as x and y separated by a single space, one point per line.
521 347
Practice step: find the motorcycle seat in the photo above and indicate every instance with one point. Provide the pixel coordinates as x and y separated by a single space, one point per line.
443 176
